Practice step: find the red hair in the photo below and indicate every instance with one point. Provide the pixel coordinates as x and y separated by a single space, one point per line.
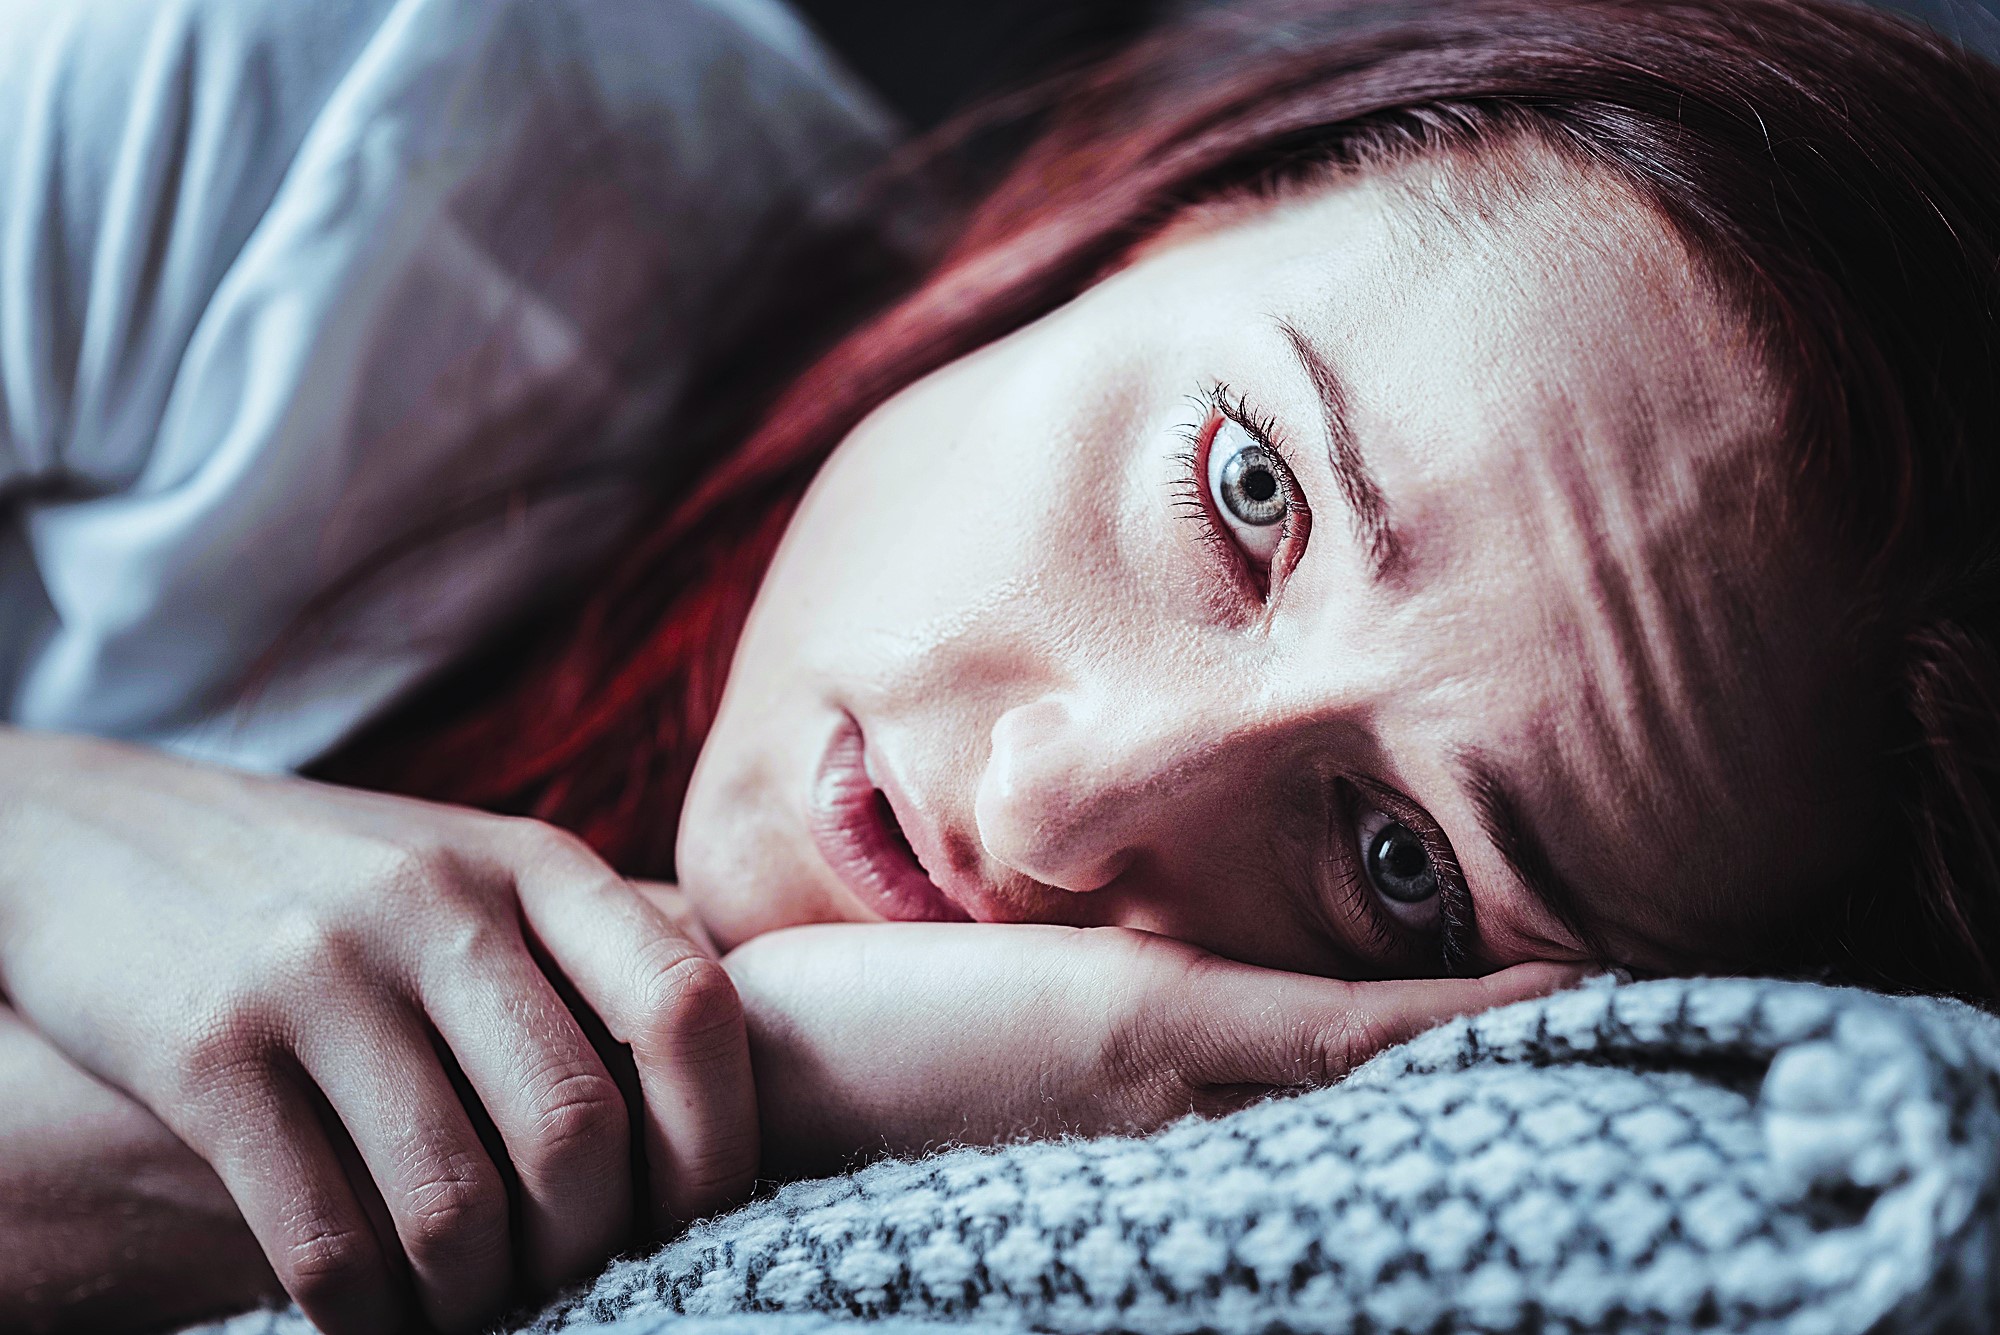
1836 166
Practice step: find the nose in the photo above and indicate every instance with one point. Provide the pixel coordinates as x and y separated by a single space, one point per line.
1077 784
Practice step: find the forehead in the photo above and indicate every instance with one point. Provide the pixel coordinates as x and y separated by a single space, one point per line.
1601 588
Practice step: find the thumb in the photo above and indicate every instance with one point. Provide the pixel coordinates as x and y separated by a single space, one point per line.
1260 1027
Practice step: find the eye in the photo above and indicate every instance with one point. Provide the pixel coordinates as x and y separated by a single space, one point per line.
1399 867
1248 483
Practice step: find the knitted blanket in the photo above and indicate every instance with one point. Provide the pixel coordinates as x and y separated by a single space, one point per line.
1664 1156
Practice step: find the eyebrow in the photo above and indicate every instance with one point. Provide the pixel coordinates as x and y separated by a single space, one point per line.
1502 819
1350 470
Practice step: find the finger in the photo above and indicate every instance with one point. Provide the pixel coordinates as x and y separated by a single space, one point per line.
261 1130
670 903
556 1107
446 1198
1250 1026
677 1009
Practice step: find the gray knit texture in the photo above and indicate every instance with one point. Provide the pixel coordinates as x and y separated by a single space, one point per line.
1666 1156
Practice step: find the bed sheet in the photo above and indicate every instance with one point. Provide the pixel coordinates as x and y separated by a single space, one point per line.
1675 1155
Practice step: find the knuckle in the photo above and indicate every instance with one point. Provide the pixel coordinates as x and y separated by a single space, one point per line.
424 892
226 1058
463 945
305 945
532 832
691 999
546 845
321 1260
418 871
453 1211
580 1117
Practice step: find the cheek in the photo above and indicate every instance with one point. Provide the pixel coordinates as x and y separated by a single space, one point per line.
914 512
981 503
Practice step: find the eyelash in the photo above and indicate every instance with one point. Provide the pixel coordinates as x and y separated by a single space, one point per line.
1454 930
1192 497
1191 489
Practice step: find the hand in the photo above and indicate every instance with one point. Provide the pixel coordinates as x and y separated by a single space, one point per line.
904 1036
327 993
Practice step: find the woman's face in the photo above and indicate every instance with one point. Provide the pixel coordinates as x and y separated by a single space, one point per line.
1379 581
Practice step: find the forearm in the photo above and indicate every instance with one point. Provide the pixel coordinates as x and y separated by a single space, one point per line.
107 1222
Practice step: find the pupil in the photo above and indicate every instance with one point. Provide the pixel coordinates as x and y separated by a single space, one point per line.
1251 489
1400 867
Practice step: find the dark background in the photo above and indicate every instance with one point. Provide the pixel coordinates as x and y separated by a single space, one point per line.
928 58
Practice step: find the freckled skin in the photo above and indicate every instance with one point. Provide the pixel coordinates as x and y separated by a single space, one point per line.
1094 724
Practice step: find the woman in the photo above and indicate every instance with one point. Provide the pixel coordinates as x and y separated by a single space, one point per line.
1491 490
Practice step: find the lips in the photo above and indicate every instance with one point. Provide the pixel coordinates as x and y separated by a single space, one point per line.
856 831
